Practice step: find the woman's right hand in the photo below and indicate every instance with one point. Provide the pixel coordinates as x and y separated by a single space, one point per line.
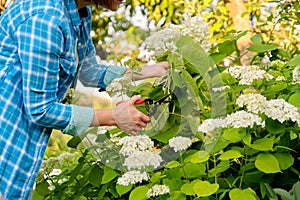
128 118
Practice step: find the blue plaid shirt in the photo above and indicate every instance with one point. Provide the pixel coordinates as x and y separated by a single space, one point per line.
37 65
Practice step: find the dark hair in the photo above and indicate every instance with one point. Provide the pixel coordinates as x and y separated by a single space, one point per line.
103 3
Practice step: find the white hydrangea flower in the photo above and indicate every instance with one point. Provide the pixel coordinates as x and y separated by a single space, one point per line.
180 143
211 124
243 119
131 144
157 190
279 109
51 186
50 164
247 74
142 159
296 75
194 27
133 177
220 89
276 109
161 41
55 172
118 86
165 39
254 102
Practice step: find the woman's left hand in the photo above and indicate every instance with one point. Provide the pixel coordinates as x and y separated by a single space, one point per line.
149 71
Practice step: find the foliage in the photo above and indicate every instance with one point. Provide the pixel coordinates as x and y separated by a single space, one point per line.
227 132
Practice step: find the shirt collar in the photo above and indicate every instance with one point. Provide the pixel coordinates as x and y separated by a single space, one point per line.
71 6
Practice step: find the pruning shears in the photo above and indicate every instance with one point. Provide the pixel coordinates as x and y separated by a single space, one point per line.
150 104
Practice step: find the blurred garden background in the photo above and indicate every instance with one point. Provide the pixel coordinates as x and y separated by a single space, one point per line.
259 160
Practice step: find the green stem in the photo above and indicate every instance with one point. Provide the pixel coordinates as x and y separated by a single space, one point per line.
243 170
215 167
238 54
181 162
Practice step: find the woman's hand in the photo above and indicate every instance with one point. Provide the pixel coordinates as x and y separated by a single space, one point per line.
128 118
149 71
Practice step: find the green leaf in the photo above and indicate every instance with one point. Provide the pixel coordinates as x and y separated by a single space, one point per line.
295 99
193 170
174 183
263 144
238 36
74 142
267 163
76 171
172 164
109 174
218 57
226 47
177 195
274 126
238 194
256 38
283 194
175 60
138 193
121 189
216 145
190 82
42 188
95 176
221 167
230 154
232 134
165 135
296 190
275 89
194 55
260 48
177 78
198 157
188 189
205 188
270 192
285 160
294 62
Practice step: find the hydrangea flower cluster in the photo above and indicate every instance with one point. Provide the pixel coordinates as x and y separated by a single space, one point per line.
142 159
211 124
118 86
165 39
157 190
254 102
242 119
133 177
239 119
131 144
276 109
180 143
279 109
247 74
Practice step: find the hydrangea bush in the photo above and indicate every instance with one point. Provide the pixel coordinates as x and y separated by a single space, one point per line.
227 133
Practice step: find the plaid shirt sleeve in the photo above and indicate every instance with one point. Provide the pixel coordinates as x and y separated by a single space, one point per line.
91 72
40 44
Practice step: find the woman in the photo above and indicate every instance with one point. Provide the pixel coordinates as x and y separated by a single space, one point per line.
42 45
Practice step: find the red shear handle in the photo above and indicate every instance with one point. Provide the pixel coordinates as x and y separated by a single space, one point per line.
140 101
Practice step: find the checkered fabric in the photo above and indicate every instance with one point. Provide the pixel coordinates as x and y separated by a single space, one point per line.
37 65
